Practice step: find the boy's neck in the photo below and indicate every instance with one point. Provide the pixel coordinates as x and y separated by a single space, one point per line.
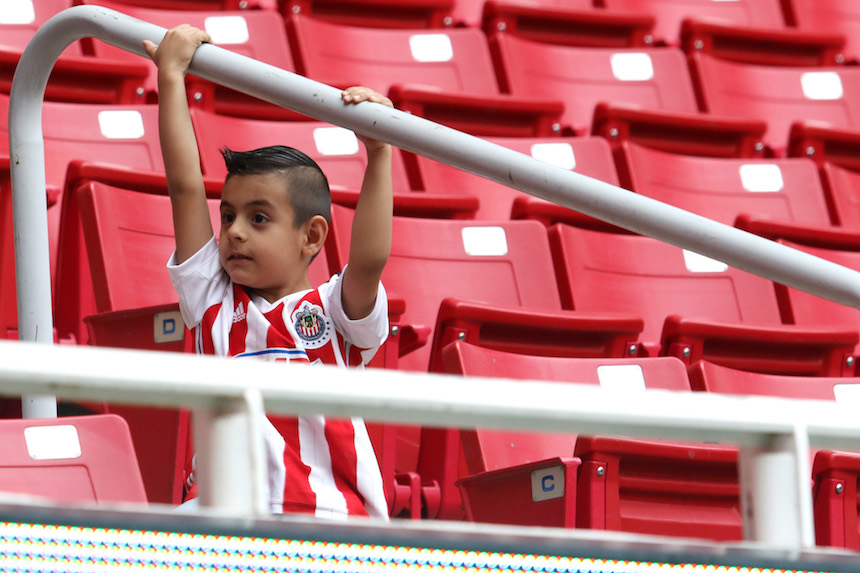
274 295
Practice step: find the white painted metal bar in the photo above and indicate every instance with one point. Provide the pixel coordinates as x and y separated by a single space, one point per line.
775 433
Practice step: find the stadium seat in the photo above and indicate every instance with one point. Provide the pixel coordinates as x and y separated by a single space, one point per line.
70 460
723 188
779 94
209 5
443 75
116 235
257 34
567 23
836 151
659 488
469 13
761 46
83 79
587 155
582 77
432 261
835 499
337 150
668 14
834 473
834 16
19 21
412 14
693 307
839 245
709 377
500 463
123 135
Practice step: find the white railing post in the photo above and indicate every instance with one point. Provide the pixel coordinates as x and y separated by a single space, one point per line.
231 462
776 491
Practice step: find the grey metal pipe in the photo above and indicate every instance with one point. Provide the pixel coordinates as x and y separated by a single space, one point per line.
596 198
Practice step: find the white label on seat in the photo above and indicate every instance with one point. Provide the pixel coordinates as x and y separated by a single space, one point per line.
485 241
335 141
121 124
821 85
847 393
168 327
17 12
761 178
626 377
431 47
548 483
227 29
558 154
52 442
632 67
697 263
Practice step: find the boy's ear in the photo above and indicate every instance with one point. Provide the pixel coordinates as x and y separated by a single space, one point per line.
315 234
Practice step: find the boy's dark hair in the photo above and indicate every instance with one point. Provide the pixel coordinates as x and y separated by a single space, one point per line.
307 187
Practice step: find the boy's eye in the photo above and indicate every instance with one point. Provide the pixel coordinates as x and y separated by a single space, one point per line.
259 218
227 217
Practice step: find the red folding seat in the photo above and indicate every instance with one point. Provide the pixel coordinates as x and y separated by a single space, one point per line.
659 488
570 23
71 460
116 235
338 152
839 245
413 14
19 21
800 82
209 5
433 261
709 377
835 474
74 76
257 34
444 75
668 14
582 77
470 12
836 499
836 151
720 188
122 135
693 307
834 16
500 464
587 155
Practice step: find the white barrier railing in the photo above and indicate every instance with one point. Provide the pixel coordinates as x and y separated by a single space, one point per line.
226 396
775 434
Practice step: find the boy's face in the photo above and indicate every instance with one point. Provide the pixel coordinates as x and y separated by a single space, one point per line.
259 246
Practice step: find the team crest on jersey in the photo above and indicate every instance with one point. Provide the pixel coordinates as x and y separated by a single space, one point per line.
313 327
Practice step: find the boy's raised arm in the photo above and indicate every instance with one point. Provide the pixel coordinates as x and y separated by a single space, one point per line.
191 222
370 242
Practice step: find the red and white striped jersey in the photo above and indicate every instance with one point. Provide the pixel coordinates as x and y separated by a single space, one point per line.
317 465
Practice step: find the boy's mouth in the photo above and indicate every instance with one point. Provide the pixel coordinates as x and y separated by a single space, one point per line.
238 257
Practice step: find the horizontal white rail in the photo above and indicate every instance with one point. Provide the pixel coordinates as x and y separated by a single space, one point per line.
775 434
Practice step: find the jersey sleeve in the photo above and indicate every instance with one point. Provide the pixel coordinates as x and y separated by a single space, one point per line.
366 333
200 282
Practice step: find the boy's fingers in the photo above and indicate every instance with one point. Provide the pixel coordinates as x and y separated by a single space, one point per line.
150 48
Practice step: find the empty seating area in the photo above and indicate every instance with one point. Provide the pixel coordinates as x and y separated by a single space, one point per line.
745 112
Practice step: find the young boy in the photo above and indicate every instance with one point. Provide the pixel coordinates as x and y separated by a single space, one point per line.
248 295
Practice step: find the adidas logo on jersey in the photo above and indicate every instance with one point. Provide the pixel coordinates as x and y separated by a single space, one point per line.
239 314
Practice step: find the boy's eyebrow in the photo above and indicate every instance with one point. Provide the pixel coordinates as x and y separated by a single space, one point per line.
254 203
